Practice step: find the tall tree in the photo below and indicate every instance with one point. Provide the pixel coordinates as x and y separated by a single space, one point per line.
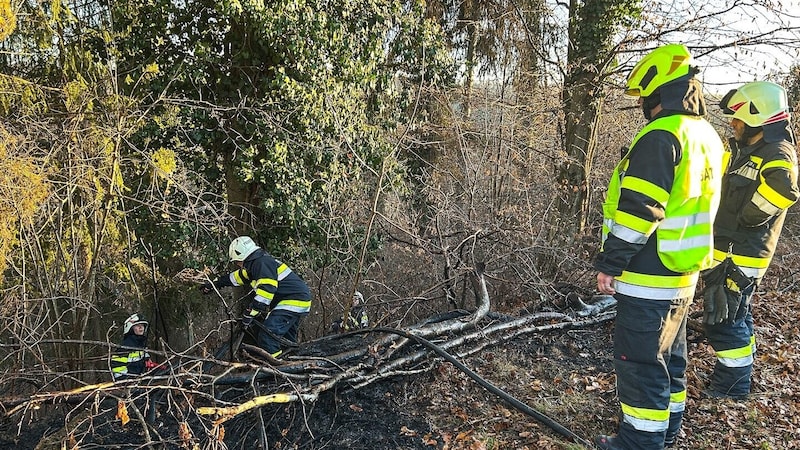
288 102
489 37
593 26
155 117
792 83
62 116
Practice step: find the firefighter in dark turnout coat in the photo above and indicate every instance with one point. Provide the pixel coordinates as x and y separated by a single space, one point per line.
134 360
282 299
760 184
657 237
356 319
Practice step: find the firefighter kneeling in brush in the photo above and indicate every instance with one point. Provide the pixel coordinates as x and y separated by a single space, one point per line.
134 359
356 319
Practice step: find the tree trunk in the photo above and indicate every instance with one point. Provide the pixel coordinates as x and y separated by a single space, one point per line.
240 198
592 27
581 116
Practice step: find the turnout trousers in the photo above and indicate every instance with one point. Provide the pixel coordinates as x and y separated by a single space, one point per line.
735 347
280 323
650 358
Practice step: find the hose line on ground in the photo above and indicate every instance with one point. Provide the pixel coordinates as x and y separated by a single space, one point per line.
541 417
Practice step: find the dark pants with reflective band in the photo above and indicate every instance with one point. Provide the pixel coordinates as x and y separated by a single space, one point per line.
279 322
650 362
737 339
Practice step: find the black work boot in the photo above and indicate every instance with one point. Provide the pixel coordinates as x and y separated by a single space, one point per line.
607 442
715 394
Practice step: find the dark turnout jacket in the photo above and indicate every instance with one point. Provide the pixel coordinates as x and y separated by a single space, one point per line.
757 189
275 285
128 362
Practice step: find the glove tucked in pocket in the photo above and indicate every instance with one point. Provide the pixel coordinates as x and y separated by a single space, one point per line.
723 300
715 304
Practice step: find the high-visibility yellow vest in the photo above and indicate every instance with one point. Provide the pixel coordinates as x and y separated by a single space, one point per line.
685 238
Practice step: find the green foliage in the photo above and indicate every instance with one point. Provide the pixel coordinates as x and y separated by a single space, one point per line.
154 117
64 128
283 104
595 23
23 189
20 96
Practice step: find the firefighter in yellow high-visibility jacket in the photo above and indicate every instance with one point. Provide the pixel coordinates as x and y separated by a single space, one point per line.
657 237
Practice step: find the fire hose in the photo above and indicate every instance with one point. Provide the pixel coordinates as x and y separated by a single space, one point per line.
539 416
522 407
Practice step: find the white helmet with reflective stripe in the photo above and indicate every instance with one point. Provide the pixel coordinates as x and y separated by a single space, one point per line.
241 248
134 320
757 104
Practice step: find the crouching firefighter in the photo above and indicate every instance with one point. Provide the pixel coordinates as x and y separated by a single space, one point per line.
356 319
133 359
282 299
758 187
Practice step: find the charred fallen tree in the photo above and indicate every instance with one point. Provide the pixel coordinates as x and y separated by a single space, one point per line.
196 396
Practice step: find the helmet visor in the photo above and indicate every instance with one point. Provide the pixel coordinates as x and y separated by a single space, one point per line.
633 93
726 107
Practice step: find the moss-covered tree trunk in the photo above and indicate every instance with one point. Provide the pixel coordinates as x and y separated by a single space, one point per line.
592 27
581 115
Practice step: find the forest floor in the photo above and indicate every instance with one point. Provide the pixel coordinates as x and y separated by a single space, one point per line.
566 375
569 377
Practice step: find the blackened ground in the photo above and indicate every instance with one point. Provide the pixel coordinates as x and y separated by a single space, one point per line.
567 375
439 408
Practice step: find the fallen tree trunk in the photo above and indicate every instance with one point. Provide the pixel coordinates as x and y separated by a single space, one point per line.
372 355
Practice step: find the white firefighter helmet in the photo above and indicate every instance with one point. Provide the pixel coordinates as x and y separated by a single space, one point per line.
241 248
358 298
757 104
135 319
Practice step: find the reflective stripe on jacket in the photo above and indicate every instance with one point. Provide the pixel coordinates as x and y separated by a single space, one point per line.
680 213
274 283
130 362
757 189
357 319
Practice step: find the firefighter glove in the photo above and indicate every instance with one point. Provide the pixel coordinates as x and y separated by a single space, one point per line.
723 300
256 309
219 283
737 302
715 304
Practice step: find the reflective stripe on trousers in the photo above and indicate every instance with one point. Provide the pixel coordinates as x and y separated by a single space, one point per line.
650 363
735 347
